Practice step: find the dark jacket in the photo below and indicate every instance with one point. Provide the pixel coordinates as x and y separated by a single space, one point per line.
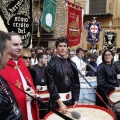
38 75
106 80
6 108
55 76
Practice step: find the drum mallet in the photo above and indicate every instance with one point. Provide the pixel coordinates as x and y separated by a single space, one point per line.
75 114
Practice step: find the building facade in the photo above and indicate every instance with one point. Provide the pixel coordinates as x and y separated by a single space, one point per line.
105 11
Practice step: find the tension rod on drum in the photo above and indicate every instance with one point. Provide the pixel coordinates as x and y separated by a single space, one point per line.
92 88
38 99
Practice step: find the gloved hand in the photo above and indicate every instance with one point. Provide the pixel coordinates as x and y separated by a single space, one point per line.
31 92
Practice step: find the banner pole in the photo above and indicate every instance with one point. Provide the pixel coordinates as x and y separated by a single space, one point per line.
39 31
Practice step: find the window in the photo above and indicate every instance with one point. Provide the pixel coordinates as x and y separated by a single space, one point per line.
97 6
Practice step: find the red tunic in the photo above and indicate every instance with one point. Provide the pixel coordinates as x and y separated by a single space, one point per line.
11 74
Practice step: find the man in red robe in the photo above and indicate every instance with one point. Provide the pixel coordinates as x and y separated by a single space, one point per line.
17 73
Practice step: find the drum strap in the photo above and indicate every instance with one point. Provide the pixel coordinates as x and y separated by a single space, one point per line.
93 68
39 100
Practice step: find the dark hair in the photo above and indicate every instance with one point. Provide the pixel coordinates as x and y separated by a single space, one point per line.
48 48
92 55
13 34
40 55
3 38
118 50
79 49
61 40
107 50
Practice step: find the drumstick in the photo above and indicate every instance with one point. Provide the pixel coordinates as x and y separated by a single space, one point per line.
75 114
38 99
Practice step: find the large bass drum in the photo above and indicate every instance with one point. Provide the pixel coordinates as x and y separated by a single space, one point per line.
87 112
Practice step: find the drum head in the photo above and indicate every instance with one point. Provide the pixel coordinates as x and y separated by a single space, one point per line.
114 97
87 112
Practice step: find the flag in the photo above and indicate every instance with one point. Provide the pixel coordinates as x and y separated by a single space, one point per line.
110 39
74 25
17 17
49 12
93 28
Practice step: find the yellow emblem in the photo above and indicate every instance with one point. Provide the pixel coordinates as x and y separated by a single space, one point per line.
17 66
18 84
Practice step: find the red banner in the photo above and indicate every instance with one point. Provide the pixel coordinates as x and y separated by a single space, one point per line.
74 27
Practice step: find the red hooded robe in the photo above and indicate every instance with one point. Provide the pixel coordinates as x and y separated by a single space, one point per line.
11 74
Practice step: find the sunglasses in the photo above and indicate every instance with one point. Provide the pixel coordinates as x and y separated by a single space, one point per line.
25 57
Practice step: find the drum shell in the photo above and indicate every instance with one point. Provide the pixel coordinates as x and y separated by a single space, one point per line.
45 95
87 94
116 109
42 109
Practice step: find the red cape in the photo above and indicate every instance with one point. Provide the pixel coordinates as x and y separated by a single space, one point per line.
11 74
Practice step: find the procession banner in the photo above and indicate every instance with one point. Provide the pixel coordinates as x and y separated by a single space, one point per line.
110 39
49 12
17 17
93 29
74 25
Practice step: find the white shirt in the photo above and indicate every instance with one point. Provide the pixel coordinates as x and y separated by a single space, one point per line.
79 62
33 61
99 60
116 58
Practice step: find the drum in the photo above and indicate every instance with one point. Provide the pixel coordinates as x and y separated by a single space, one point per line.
87 94
114 97
45 97
87 112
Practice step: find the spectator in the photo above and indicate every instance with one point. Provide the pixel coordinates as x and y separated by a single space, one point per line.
92 62
116 57
116 65
81 65
48 52
71 53
39 77
9 108
26 55
17 73
40 80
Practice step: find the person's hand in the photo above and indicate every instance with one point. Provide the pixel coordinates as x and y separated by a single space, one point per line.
117 89
75 104
63 108
31 92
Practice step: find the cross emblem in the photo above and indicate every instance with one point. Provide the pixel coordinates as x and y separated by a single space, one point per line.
94 28
17 66
18 84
